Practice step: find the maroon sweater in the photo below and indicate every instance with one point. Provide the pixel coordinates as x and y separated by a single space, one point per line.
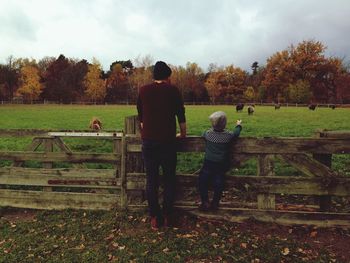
157 106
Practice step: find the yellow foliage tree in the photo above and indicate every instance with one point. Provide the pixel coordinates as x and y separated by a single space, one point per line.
30 86
95 87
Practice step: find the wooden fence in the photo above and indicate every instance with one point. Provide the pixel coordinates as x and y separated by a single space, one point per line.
121 181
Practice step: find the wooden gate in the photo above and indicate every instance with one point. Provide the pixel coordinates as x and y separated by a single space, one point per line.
121 184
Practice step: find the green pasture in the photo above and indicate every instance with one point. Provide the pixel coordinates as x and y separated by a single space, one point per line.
265 122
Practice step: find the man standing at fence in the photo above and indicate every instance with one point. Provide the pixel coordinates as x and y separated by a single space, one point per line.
158 105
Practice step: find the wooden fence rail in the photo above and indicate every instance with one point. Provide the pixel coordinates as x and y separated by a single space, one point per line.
122 183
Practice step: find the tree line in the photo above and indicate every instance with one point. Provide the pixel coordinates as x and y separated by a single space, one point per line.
298 74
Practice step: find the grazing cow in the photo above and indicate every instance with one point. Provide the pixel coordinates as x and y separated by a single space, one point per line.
239 107
277 106
312 106
332 106
250 110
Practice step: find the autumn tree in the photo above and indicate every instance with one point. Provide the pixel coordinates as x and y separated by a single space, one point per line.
63 80
30 86
9 78
95 88
190 82
279 73
249 94
299 92
141 74
117 84
306 62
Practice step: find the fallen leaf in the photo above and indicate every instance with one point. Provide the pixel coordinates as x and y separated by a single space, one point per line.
285 251
244 245
313 234
115 244
111 236
166 250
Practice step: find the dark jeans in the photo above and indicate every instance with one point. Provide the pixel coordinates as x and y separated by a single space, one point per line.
212 172
156 155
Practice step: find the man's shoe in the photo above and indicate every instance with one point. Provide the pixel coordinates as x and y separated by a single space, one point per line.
166 221
154 223
204 207
214 206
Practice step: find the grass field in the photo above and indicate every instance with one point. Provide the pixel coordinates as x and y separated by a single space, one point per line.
291 121
90 236
265 122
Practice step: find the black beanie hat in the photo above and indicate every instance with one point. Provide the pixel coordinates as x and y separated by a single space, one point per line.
161 71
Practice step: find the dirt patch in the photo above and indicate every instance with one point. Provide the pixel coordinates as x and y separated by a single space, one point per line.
18 215
335 240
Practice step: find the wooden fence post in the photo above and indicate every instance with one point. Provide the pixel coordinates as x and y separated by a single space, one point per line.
266 168
123 190
133 162
48 147
325 201
132 125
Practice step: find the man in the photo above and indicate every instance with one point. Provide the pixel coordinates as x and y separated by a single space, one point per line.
158 105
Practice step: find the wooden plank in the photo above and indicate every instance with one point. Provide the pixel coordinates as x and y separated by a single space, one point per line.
64 172
333 134
265 165
132 125
307 165
86 134
48 148
60 157
293 185
266 201
262 145
62 146
326 200
240 215
73 178
280 217
117 149
123 176
40 132
36 142
57 200
266 168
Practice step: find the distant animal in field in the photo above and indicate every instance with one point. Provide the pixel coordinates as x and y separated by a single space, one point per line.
239 107
312 106
332 106
95 124
277 106
251 109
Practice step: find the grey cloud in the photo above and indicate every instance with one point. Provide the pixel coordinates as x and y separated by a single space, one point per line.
204 31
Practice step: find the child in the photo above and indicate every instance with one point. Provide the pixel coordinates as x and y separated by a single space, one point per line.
95 124
216 160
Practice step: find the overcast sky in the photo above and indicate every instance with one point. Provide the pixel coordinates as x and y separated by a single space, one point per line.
224 32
